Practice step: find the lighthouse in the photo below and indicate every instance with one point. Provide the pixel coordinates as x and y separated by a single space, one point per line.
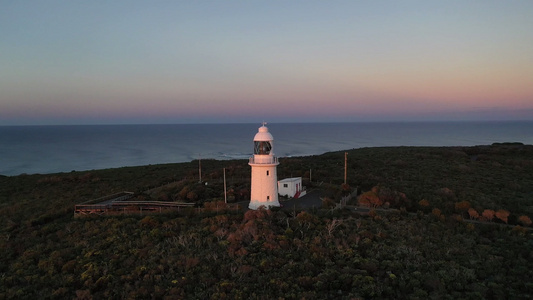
264 175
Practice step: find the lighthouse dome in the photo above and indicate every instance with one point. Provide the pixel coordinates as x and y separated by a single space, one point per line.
263 134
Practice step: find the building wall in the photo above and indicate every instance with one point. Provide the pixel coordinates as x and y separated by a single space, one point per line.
291 188
264 188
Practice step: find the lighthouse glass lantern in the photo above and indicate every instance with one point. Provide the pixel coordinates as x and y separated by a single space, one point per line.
264 187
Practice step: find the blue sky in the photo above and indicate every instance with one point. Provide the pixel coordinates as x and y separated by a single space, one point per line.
114 62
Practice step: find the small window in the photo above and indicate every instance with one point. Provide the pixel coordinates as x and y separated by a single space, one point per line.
285 185
268 173
268 198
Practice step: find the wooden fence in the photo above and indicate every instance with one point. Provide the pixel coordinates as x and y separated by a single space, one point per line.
128 207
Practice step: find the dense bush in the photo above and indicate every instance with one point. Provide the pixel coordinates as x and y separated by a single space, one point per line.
266 254
223 253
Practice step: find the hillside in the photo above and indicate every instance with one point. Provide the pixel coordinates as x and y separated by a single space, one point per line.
421 249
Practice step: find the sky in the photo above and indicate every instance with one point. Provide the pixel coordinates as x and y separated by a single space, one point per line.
140 62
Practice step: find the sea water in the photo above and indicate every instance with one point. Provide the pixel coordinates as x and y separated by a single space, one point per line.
51 149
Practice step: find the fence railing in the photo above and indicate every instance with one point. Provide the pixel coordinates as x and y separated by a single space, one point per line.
123 206
347 198
110 198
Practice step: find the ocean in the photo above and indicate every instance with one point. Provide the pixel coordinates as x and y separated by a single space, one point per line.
53 149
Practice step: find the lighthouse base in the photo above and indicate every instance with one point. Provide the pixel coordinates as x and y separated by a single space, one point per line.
267 205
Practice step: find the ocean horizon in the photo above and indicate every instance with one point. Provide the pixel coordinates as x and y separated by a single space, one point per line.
63 148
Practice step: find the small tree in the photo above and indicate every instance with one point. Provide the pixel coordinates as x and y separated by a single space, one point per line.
438 214
474 215
331 225
503 215
192 196
423 206
346 188
488 215
423 203
462 206
370 198
525 220
328 203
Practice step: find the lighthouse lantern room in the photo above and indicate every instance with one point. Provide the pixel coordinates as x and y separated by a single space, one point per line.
264 189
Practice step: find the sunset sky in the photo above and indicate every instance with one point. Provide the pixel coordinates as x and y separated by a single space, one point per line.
123 62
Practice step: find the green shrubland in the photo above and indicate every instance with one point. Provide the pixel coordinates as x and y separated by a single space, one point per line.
425 245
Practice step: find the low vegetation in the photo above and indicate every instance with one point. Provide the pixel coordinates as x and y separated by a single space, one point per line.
444 222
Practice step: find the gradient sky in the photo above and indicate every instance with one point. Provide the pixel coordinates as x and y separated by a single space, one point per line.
115 62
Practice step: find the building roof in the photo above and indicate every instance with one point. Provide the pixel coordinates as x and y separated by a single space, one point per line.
291 179
263 134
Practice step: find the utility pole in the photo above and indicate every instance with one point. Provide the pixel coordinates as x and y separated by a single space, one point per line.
345 165
225 195
200 168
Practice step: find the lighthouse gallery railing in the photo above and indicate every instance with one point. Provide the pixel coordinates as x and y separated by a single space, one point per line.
264 159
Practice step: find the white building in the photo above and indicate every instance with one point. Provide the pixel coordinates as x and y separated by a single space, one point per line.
264 189
291 187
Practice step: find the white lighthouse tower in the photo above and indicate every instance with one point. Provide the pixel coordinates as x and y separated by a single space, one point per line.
264 175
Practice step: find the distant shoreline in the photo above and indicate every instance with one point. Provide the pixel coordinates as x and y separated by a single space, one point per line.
53 149
282 157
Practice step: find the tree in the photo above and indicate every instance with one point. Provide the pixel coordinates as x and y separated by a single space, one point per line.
370 198
307 220
328 203
192 196
502 214
346 188
448 193
488 215
424 206
424 203
462 206
331 225
525 220
183 193
474 215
